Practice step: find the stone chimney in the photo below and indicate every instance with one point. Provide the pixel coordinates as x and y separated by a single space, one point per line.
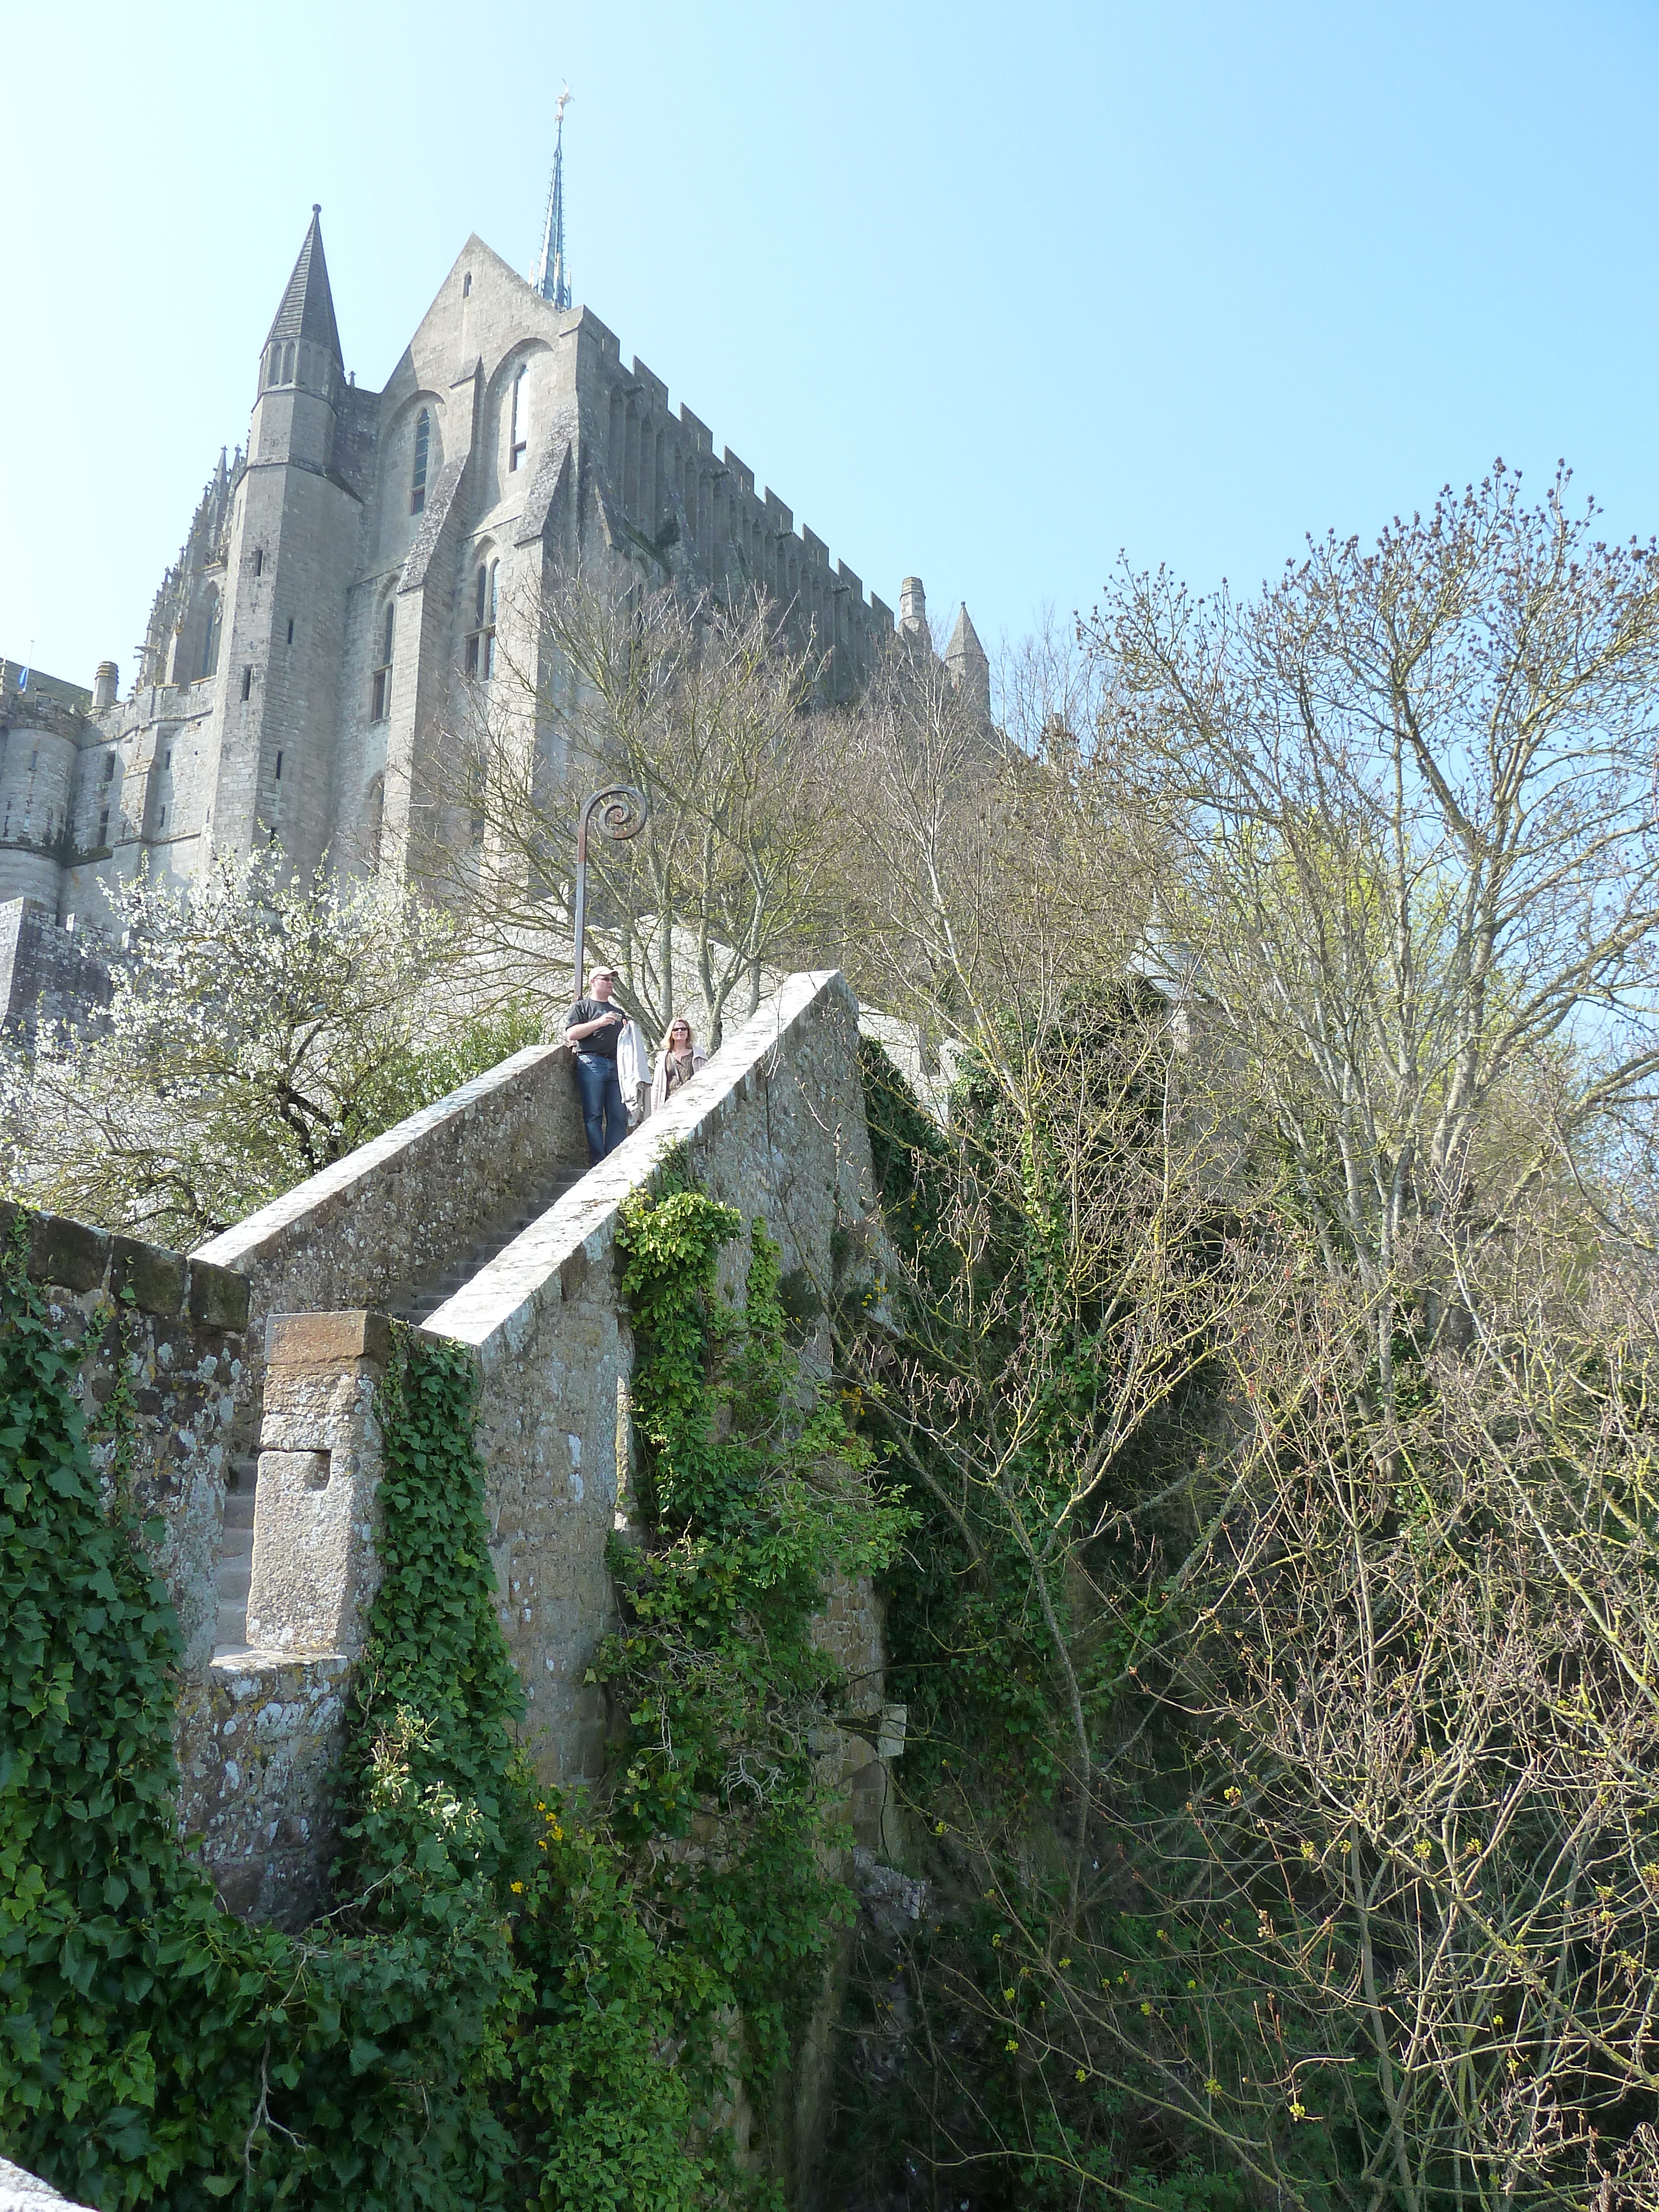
103 686
913 607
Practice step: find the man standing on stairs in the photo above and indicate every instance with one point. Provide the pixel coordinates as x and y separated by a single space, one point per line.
592 1029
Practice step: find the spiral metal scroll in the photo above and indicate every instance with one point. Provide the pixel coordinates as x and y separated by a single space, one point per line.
622 814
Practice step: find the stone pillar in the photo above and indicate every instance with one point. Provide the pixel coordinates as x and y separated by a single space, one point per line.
316 1515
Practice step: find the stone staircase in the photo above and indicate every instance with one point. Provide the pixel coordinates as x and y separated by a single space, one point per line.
426 1300
236 1570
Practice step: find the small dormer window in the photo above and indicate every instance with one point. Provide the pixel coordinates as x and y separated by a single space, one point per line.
422 452
518 436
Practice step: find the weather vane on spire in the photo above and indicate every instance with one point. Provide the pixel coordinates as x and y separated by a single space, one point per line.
549 279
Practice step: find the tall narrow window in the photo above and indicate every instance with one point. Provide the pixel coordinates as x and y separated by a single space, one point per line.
288 364
380 698
258 559
480 658
109 768
247 682
211 642
279 768
519 441
103 827
423 449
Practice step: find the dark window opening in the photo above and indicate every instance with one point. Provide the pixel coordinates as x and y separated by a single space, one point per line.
279 768
518 437
258 559
423 451
247 682
162 823
211 642
290 629
480 660
103 827
167 757
466 285
109 768
381 695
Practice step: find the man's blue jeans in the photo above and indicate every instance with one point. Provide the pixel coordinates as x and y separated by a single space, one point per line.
604 1116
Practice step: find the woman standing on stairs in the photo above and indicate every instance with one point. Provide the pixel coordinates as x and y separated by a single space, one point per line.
678 1062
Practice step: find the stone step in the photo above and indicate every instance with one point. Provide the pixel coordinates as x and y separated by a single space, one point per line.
234 1576
431 1295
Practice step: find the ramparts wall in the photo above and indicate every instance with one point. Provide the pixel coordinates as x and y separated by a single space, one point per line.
773 1126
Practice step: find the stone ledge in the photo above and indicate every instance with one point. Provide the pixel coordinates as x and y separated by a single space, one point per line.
73 1256
326 1340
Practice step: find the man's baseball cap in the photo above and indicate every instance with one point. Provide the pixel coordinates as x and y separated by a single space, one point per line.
594 974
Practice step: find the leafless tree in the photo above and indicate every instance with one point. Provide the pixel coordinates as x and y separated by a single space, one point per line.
1413 797
703 708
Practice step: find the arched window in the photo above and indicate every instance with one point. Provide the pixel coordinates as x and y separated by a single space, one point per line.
211 642
481 642
519 439
422 450
380 700
288 364
274 366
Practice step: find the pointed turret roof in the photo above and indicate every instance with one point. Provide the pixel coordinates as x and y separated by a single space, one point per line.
964 644
307 309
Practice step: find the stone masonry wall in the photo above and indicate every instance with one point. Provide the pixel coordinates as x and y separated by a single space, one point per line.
398 1213
773 1126
176 1326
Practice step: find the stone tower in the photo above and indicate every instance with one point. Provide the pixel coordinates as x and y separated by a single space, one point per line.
268 754
361 585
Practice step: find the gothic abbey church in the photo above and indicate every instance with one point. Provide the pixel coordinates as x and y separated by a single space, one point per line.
343 582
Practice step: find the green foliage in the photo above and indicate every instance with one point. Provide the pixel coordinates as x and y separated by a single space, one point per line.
760 1490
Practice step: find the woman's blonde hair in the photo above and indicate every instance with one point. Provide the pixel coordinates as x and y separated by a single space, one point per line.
679 1022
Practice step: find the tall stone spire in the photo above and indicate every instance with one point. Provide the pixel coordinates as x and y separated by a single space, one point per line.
307 309
549 279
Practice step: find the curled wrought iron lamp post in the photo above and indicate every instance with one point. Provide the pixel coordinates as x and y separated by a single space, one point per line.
625 814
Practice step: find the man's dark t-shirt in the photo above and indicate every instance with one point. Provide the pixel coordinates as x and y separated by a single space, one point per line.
603 1042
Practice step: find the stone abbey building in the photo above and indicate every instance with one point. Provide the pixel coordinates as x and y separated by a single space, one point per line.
343 583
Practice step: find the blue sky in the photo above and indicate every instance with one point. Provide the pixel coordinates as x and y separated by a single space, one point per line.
983 294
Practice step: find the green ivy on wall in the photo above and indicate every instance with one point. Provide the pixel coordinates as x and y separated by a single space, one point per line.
489 2012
